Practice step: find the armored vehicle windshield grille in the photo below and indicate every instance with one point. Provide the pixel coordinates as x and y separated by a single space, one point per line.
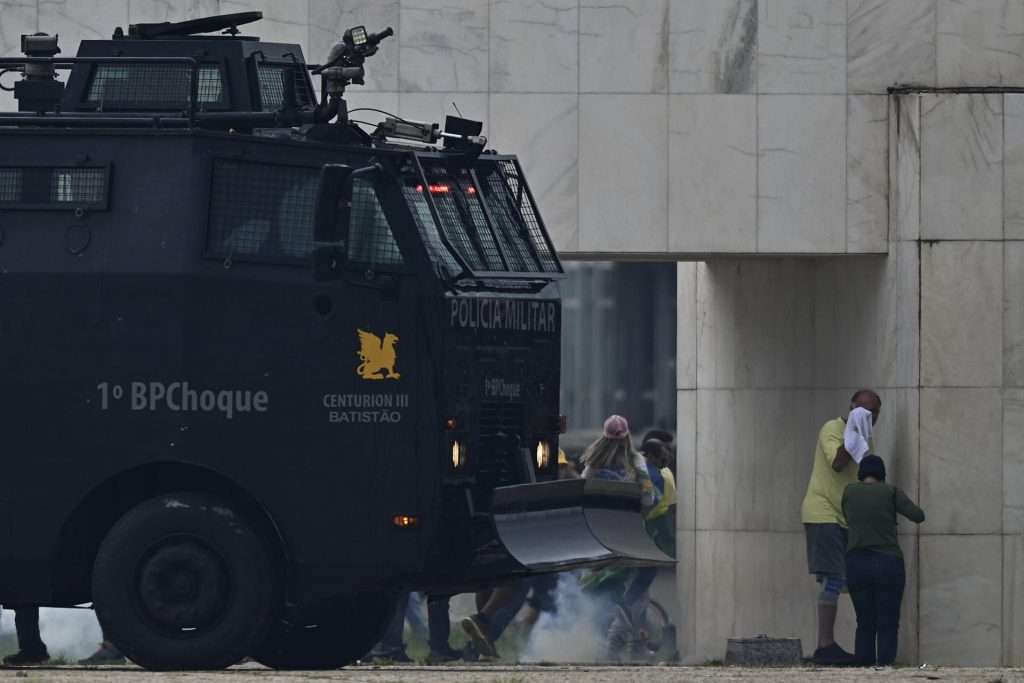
371 243
428 228
501 425
154 87
53 187
521 200
262 211
272 80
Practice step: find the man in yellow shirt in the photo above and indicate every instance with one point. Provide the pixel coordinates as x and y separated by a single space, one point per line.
825 525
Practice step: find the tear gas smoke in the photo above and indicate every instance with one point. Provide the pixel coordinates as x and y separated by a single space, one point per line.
572 634
69 634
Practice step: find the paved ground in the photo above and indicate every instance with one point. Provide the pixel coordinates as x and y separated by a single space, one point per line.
516 674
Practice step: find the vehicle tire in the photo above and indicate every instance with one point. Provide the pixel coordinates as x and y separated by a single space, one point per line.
341 635
183 582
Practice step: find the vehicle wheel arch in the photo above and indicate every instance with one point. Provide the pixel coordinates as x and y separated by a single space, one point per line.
94 515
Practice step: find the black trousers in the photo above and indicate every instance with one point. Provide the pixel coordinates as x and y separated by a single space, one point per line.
876 581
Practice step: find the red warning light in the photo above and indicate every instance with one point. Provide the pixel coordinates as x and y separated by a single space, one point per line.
435 189
471 190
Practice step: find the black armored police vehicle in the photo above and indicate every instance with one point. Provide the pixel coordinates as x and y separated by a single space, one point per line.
264 367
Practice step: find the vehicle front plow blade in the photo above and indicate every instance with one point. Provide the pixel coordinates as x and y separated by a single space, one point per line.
559 525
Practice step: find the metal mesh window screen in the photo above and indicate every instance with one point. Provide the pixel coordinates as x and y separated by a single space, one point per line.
10 184
262 210
428 228
483 231
528 213
78 185
54 187
444 191
511 236
154 86
271 79
370 241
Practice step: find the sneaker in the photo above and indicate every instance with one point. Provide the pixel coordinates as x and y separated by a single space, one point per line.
833 655
107 654
449 654
27 658
476 627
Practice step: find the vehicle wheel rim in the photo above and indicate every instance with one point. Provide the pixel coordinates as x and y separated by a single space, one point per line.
182 586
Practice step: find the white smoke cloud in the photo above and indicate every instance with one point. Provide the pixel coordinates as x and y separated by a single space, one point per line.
572 633
69 634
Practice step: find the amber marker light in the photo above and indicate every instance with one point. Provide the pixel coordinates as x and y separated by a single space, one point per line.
405 521
451 423
543 455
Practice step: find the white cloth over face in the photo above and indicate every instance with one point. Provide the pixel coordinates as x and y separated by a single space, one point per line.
857 434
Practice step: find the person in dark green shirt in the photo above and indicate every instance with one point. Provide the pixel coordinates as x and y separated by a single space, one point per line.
875 573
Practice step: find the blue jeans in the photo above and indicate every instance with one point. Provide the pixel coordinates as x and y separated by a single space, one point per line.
876 581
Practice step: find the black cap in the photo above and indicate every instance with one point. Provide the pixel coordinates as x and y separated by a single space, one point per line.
871 466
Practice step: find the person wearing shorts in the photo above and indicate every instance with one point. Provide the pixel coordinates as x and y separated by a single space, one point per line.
825 525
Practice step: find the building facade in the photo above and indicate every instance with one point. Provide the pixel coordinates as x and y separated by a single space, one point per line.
829 236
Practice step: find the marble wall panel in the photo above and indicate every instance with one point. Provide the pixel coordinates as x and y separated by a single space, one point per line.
890 42
980 42
801 174
753 478
962 460
444 47
284 21
713 46
1013 462
961 166
534 46
434 106
905 167
142 11
623 189
713 173
19 16
961 600
1013 600
866 314
801 46
1013 172
624 46
1013 315
542 131
328 21
961 314
867 174
756 324
78 20
686 324
686 521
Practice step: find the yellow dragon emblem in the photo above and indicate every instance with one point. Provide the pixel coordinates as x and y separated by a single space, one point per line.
378 355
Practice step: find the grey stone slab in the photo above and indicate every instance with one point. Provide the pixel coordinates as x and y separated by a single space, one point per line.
444 47
713 46
980 42
284 21
801 46
542 131
1013 315
962 314
79 20
962 460
623 190
142 11
890 42
961 166
534 46
1013 600
328 21
713 173
624 46
1013 461
802 174
867 174
1013 126
686 325
18 17
905 167
961 588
